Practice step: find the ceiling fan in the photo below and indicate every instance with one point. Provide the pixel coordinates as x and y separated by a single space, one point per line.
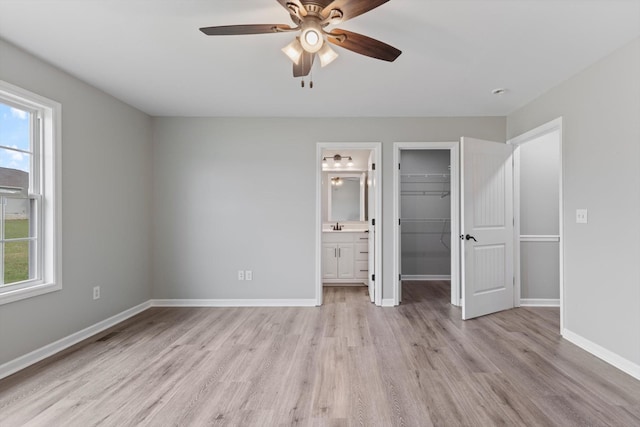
311 17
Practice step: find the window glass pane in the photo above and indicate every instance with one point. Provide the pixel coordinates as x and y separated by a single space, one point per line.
14 128
17 213
14 172
16 261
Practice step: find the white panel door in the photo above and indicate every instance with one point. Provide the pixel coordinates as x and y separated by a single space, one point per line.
371 209
487 227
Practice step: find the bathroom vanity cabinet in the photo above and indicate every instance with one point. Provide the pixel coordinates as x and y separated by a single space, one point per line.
345 257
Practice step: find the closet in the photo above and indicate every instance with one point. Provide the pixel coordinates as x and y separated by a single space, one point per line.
425 214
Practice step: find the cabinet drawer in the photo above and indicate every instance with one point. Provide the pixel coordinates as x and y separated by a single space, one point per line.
361 237
362 269
362 252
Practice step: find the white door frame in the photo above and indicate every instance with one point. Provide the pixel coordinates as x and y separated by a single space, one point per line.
454 148
549 127
376 147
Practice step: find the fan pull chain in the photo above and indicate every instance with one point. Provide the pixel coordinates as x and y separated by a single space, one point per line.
310 82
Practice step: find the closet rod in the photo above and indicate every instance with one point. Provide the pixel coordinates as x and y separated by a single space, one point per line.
442 194
425 219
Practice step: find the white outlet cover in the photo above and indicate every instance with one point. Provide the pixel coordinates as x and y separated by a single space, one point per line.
240 274
582 216
248 275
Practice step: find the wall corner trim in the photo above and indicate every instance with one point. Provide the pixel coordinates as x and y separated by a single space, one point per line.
48 350
311 302
625 365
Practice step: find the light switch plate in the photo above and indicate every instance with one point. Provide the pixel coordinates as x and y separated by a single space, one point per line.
240 274
248 275
582 216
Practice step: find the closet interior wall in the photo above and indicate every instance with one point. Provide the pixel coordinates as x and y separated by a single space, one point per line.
425 214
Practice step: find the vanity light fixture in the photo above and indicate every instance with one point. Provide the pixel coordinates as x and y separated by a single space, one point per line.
337 161
336 181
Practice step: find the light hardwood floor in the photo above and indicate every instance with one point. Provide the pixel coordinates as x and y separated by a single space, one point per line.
345 363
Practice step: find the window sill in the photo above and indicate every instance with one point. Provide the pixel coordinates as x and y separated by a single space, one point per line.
28 292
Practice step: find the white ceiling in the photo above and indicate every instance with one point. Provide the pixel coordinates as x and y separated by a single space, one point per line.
150 54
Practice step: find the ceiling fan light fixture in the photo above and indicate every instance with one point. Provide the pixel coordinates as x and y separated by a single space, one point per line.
311 36
294 50
327 55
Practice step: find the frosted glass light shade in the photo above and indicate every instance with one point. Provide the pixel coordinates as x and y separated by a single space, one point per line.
311 36
293 50
327 55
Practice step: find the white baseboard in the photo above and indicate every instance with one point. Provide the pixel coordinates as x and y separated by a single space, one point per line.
233 303
425 277
388 302
539 302
48 350
608 356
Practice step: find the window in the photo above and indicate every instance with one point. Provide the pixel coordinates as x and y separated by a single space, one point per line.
29 205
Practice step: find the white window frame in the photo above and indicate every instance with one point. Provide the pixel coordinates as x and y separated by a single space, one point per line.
47 175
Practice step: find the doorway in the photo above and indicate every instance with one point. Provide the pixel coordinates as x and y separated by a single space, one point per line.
538 212
348 217
426 214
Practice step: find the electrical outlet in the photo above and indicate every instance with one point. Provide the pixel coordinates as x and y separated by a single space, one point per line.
96 292
248 275
582 216
240 274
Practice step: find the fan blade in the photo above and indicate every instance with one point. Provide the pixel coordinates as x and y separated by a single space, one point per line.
234 30
303 67
352 8
363 45
296 3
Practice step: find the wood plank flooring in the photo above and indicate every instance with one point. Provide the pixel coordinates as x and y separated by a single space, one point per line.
345 363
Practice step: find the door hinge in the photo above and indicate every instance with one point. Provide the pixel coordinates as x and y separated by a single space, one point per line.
398 166
400 277
373 277
373 222
373 166
399 221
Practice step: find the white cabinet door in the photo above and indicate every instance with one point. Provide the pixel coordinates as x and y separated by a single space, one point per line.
345 261
329 260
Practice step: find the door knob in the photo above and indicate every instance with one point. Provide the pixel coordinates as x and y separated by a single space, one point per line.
469 237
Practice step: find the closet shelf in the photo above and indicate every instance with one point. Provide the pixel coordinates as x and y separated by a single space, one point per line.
435 233
425 175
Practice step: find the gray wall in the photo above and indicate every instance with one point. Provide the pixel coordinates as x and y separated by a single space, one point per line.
233 194
539 215
106 183
601 149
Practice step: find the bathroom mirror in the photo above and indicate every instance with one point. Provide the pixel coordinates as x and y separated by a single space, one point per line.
346 197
